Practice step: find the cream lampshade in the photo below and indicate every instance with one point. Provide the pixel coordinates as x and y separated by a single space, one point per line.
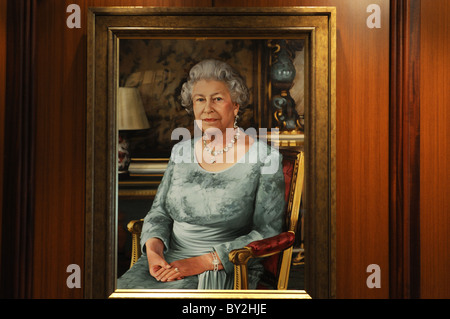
130 116
130 110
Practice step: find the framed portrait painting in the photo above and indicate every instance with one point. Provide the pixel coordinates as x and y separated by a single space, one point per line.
138 60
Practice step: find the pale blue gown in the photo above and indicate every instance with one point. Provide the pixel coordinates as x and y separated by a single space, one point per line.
197 211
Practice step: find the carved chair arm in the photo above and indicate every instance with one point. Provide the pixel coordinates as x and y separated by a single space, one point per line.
258 249
135 228
273 245
262 248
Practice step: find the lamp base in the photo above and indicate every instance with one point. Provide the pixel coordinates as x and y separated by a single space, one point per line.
124 155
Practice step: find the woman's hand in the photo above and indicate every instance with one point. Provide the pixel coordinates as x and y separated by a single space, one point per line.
183 268
157 265
162 271
194 265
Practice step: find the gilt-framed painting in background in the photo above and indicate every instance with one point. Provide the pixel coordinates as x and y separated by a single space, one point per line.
142 56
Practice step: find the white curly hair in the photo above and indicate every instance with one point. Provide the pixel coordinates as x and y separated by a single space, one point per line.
217 71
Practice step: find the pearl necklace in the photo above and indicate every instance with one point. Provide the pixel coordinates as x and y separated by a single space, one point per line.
224 150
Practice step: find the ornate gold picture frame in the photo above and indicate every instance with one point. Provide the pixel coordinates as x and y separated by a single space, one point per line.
107 26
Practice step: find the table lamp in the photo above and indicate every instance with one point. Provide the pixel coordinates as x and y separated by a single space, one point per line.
130 116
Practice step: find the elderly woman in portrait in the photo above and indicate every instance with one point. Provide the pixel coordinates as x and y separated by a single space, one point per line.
215 195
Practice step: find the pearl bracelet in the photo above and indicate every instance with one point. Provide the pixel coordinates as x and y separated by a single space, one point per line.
215 261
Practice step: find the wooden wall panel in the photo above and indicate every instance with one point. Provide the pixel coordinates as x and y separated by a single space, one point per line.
18 144
362 113
435 150
362 150
404 149
59 217
3 26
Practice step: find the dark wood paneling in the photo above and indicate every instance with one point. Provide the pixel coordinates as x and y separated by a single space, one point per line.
60 142
435 150
362 150
18 179
3 26
405 150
